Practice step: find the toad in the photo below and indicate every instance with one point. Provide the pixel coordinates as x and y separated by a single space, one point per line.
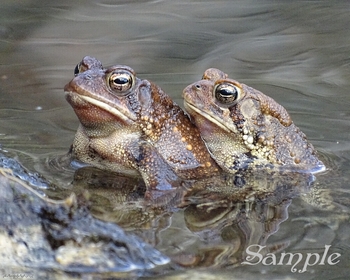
244 128
130 126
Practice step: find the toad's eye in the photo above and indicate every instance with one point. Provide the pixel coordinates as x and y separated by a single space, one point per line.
121 81
226 93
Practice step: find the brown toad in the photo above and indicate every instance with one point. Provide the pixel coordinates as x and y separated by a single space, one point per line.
130 126
243 127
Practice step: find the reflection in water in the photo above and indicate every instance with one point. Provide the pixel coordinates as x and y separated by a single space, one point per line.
296 52
222 216
237 227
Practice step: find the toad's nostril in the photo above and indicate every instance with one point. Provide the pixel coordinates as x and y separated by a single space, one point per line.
197 86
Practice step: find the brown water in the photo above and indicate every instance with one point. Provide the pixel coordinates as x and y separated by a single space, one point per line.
298 52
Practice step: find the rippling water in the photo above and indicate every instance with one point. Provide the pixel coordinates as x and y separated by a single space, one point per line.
297 52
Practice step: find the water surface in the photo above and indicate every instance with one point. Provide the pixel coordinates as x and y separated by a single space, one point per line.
296 52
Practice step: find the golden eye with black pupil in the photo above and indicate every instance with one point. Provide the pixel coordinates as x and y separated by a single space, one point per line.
120 82
226 93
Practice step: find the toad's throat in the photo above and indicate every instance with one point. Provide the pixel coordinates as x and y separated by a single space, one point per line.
190 107
104 106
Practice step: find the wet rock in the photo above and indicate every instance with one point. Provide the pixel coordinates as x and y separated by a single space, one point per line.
37 232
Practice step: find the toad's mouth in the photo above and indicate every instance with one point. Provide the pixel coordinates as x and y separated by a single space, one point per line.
77 99
213 119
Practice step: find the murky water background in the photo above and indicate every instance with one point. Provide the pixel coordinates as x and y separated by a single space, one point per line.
297 52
